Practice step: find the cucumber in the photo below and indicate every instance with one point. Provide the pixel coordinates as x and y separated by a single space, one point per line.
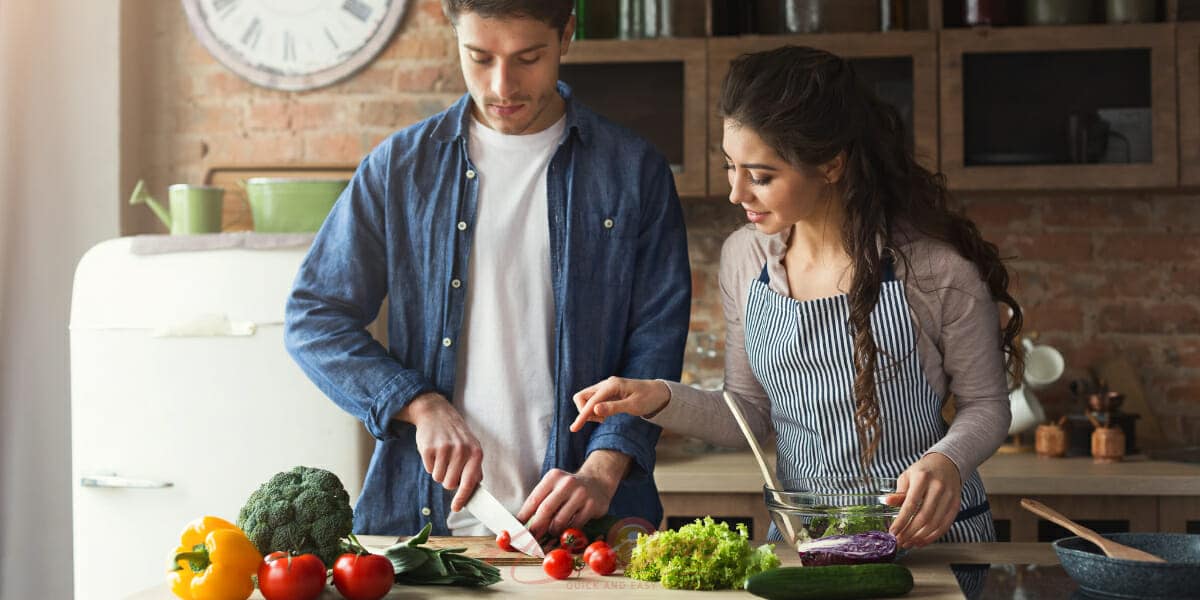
837 582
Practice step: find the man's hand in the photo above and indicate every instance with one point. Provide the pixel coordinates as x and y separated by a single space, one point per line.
563 499
449 451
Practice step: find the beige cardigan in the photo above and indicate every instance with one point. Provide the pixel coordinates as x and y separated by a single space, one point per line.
958 343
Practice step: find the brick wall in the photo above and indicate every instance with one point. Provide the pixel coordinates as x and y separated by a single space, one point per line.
1098 273
198 114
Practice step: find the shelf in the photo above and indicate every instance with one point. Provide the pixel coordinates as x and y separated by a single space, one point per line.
652 87
918 47
989 47
1188 42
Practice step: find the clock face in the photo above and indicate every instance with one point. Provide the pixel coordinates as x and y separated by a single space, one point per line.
294 44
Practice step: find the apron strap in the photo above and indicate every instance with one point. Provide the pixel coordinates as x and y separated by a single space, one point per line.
974 511
889 271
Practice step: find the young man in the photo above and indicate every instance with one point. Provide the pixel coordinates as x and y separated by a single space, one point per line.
527 248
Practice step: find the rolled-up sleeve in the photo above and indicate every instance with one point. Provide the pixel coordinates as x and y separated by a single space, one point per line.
337 294
659 314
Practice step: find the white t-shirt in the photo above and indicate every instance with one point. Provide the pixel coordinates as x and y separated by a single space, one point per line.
505 376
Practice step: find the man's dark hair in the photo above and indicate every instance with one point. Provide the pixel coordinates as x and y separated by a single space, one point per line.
554 13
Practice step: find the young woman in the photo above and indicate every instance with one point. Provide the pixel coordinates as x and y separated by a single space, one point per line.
854 305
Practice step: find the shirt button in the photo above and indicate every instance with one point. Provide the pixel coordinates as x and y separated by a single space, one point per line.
454 283
447 342
608 223
462 225
426 512
470 174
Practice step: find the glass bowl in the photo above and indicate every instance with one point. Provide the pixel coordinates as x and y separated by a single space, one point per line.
818 507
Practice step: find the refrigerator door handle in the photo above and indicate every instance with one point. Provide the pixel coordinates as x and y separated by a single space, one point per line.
113 481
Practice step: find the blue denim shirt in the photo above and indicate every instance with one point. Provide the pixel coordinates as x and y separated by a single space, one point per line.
403 230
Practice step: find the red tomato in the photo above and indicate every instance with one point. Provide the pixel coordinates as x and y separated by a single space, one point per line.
594 546
504 541
603 561
573 540
363 576
559 564
284 577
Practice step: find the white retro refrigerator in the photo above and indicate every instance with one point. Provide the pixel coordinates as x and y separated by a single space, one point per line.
184 400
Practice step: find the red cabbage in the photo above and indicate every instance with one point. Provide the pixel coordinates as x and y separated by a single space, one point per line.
854 549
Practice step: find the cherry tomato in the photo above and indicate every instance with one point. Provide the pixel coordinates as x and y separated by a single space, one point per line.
285 577
573 540
363 576
504 541
603 561
594 546
559 564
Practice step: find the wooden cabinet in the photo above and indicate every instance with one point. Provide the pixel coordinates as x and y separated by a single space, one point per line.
1188 43
654 87
901 61
1047 88
990 96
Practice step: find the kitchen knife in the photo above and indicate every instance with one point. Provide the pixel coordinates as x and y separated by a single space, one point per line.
494 516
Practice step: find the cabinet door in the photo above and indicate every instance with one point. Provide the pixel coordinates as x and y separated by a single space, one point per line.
1189 103
1059 107
654 87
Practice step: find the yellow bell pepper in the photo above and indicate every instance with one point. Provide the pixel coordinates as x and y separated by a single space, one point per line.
214 561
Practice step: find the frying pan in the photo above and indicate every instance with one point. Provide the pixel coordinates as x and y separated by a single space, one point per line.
1104 577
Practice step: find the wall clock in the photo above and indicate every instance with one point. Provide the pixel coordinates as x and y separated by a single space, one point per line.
294 44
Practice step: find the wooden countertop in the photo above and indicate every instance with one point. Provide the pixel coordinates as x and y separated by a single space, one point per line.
930 567
1003 474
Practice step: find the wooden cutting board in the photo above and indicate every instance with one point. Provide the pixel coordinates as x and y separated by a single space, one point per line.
482 548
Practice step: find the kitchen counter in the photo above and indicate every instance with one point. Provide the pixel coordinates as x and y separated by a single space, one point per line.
1137 494
930 567
1003 474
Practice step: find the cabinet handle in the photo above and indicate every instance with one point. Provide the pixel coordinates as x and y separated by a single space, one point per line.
113 481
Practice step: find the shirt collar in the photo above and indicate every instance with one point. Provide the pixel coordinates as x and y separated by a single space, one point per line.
454 121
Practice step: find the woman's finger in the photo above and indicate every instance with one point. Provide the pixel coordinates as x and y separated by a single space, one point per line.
940 520
913 497
601 392
581 397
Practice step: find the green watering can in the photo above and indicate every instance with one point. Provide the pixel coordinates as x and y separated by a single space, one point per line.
194 208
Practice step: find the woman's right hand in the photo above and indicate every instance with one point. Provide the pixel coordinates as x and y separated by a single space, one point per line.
615 395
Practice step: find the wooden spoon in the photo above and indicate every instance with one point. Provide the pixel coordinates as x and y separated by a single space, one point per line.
1111 549
788 533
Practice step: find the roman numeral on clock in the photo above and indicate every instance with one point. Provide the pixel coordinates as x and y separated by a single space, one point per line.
358 8
224 7
289 47
253 32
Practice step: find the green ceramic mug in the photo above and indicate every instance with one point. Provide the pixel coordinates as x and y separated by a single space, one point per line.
193 208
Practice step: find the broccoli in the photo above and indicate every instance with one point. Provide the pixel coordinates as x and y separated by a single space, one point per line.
301 511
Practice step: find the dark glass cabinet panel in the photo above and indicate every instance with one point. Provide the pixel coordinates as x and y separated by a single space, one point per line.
1065 107
646 97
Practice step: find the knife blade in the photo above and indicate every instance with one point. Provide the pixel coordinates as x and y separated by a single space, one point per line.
494 516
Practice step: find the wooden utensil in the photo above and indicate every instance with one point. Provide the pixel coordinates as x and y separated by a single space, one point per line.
789 534
1110 548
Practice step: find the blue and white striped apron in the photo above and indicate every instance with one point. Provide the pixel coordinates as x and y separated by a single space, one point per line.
802 354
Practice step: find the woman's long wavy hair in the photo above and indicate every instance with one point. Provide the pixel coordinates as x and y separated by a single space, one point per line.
809 106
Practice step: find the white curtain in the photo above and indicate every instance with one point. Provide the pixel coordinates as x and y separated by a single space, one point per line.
59 160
